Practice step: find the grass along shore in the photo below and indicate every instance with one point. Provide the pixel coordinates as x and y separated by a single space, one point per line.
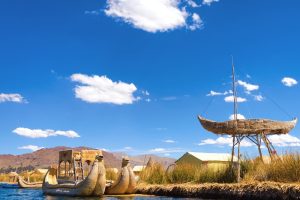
284 169
278 179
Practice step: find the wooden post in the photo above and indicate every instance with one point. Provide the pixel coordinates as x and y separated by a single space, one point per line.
232 151
266 141
65 168
258 138
239 161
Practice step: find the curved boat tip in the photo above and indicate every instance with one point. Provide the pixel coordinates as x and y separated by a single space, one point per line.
295 120
101 181
120 186
132 181
200 117
24 184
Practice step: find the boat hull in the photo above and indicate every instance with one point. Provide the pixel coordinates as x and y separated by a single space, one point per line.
248 126
125 184
24 184
85 188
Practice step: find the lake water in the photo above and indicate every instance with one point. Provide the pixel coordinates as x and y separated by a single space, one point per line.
37 194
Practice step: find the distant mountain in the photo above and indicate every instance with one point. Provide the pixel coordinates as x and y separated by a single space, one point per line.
43 158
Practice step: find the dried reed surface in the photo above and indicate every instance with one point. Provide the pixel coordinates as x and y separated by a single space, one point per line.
186 173
279 179
283 169
250 190
111 175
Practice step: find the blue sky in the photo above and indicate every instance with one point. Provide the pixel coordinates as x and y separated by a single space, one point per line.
133 75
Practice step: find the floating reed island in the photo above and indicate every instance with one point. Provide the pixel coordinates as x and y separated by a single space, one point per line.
255 190
276 179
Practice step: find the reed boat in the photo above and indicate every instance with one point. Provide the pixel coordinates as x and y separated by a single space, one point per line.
256 130
94 181
24 184
125 183
248 126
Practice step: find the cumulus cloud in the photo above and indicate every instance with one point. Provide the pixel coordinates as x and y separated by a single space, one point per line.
284 140
224 141
31 147
289 82
258 98
192 3
208 2
169 141
197 22
145 92
231 99
213 93
165 151
39 133
247 86
100 89
17 98
239 116
153 15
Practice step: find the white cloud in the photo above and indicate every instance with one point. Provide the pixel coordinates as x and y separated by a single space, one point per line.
284 140
31 147
128 148
208 2
192 3
197 22
231 99
247 86
222 141
145 92
169 141
213 93
38 133
289 82
165 151
151 15
104 149
258 98
239 116
100 89
17 98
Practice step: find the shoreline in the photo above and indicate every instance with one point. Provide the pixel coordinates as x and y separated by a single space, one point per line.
253 190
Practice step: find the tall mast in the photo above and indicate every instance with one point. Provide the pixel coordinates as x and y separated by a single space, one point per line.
234 92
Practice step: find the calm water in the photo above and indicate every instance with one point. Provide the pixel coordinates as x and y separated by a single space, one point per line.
37 194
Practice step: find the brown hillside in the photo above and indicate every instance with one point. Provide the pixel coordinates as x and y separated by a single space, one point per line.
49 156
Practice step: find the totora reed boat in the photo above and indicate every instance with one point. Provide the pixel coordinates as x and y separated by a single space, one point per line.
255 130
248 126
92 185
126 182
24 184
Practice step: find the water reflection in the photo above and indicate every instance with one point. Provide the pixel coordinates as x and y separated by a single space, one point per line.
37 194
